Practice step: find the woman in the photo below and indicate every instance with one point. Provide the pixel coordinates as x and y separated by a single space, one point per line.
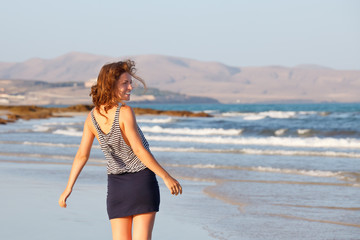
133 192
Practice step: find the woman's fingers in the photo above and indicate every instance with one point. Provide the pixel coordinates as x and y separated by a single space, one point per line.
62 203
63 198
176 189
173 185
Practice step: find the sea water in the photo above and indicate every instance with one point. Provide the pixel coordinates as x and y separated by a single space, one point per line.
267 171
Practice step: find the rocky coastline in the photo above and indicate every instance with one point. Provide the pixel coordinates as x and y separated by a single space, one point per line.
9 114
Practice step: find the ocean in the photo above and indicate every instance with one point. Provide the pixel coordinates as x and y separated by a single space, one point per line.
266 171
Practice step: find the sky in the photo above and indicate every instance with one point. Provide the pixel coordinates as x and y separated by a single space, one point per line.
234 32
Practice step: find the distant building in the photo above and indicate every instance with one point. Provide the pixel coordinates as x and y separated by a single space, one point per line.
4 101
8 98
90 82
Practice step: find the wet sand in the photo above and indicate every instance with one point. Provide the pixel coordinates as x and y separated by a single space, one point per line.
29 208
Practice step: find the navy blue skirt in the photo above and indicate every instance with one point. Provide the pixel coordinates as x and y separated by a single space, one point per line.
132 193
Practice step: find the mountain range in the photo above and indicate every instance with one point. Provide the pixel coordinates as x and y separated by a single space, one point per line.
227 84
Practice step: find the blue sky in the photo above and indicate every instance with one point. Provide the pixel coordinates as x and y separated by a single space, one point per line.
234 32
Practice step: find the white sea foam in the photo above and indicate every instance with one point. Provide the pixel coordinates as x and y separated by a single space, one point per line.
313 142
68 132
61 123
303 131
344 176
47 144
312 173
62 145
279 114
253 116
155 120
192 149
260 152
212 166
280 132
40 128
204 166
189 131
301 153
232 114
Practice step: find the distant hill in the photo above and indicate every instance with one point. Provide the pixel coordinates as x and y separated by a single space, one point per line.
303 83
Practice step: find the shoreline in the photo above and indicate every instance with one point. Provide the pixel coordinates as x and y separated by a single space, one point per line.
14 113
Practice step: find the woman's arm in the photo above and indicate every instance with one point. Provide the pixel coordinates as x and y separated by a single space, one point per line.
80 160
129 127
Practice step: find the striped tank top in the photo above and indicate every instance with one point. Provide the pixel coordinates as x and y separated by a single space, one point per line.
119 156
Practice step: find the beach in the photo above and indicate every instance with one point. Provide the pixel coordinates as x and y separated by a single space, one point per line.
30 201
248 172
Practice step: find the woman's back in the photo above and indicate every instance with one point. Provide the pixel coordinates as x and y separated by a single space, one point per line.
106 120
119 155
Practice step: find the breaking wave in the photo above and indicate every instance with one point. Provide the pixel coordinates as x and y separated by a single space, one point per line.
311 142
261 152
69 132
253 116
189 131
155 120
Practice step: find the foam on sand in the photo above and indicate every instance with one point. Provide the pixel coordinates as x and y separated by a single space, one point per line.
352 177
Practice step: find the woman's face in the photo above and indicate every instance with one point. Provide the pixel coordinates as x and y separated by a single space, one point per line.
123 86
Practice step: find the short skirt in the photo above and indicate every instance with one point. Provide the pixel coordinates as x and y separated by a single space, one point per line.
132 193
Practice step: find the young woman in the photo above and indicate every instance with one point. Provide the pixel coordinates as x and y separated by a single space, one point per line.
133 193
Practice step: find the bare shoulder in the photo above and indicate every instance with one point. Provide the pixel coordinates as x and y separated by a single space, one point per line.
127 114
89 123
88 118
126 108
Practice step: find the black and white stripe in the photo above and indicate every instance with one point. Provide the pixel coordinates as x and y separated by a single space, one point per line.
120 157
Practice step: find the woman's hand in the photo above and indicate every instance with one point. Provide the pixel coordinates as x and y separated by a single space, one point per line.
63 198
173 185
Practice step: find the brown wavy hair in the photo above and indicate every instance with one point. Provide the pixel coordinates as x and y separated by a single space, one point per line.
103 92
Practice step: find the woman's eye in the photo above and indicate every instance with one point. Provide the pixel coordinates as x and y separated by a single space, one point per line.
126 82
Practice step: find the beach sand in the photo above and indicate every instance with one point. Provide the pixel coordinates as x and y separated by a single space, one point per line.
29 207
